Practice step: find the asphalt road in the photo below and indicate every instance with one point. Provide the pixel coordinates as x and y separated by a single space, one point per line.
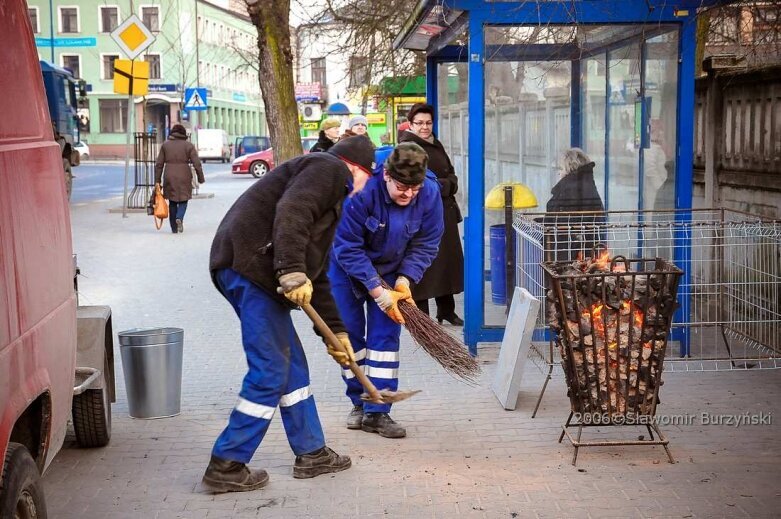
95 181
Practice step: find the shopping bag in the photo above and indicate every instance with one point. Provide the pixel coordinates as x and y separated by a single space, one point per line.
161 207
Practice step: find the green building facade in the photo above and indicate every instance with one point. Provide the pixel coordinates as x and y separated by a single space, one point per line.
198 43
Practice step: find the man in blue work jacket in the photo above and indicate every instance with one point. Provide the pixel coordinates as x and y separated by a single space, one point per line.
390 231
275 238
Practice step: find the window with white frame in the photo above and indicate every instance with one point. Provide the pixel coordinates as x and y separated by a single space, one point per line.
72 62
107 65
318 70
113 115
109 17
32 13
150 15
155 65
69 19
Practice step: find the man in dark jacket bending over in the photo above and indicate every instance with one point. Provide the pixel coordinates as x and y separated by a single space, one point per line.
279 234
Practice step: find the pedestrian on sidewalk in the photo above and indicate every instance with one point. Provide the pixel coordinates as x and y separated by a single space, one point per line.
357 125
279 234
389 232
328 136
445 277
172 168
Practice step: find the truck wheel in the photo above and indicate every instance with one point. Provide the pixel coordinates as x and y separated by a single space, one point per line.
21 492
66 166
258 168
92 416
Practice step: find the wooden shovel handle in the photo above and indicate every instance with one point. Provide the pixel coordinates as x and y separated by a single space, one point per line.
334 341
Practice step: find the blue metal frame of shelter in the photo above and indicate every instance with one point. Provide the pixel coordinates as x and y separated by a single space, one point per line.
476 15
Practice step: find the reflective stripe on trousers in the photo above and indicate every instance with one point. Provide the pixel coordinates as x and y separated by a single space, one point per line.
278 375
374 338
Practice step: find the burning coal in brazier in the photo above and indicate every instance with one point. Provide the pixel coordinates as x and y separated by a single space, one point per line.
611 320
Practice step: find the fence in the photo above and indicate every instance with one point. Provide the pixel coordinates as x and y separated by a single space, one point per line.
145 148
729 315
747 125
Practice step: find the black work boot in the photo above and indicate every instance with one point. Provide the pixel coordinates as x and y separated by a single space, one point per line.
321 461
383 424
355 417
232 476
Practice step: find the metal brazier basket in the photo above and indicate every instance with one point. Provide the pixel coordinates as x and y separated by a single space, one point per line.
611 320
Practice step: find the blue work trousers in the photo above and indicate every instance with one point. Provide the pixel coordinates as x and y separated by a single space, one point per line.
278 376
374 337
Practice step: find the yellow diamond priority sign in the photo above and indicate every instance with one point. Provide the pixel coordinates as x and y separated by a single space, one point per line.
132 36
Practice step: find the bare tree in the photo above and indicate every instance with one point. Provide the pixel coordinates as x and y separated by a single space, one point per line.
749 29
365 30
275 65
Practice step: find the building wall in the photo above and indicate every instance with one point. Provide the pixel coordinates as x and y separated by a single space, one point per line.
190 33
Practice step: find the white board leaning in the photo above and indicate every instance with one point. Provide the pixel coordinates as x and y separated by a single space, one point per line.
515 347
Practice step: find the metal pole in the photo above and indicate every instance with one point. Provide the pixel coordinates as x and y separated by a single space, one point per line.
509 246
51 29
127 150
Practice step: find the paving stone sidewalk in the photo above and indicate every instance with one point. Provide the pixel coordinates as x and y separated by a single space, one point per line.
464 455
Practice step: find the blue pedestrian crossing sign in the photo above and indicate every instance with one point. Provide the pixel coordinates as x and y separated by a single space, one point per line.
195 99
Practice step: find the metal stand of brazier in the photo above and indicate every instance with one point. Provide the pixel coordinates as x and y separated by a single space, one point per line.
611 320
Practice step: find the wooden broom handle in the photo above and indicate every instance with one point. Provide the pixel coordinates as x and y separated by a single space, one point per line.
329 336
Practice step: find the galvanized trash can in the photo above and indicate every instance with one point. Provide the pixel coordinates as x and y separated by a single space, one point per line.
152 364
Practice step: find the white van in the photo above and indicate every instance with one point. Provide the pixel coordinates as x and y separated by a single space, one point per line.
213 145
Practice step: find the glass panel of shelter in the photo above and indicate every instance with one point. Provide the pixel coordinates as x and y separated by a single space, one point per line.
626 110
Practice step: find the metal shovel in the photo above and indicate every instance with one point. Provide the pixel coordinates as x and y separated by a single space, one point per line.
385 396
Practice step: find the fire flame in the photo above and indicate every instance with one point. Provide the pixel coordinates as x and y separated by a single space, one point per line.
603 260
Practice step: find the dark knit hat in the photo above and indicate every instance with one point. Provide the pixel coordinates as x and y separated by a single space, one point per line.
357 150
407 163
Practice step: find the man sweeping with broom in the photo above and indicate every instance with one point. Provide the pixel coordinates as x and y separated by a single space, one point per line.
278 235
389 232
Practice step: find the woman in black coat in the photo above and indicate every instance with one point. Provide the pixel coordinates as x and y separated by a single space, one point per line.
574 193
328 136
445 276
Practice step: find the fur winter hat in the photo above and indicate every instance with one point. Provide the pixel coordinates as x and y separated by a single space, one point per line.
407 163
357 150
178 129
358 119
330 123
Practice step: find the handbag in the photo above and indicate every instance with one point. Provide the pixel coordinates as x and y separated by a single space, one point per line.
161 208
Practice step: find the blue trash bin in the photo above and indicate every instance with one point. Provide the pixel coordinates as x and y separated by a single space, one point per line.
498 275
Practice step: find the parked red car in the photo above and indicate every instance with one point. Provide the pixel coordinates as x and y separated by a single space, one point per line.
259 163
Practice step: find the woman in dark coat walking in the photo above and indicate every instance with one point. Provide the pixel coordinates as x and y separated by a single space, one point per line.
574 193
173 169
445 276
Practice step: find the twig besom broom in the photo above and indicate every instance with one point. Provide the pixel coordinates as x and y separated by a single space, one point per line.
449 352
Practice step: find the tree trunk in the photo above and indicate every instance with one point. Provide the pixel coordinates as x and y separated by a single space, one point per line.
272 19
703 22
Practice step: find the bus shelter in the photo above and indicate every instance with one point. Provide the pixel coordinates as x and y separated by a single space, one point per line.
533 79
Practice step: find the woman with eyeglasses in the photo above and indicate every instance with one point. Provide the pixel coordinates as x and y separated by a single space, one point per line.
445 276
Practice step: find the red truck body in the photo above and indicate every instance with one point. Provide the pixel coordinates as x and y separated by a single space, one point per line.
44 334
37 300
